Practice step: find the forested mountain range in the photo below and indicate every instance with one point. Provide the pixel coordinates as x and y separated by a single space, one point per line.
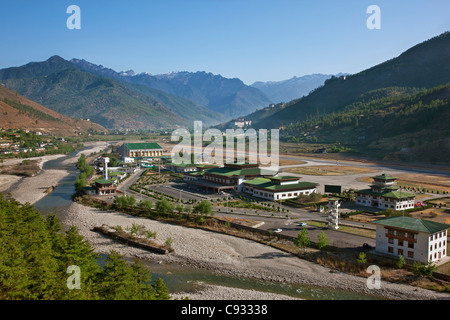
396 123
228 97
423 66
63 87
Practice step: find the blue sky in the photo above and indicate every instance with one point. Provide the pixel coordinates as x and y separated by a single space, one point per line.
254 40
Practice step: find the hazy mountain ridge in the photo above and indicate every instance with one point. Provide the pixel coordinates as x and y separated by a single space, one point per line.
294 88
229 97
425 65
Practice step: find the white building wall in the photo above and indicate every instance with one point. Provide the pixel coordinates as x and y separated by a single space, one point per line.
366 200
428 247
277 195
437 245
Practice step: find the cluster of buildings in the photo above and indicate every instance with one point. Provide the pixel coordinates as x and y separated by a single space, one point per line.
250 179
247 178
130 154
414 239
111 177
11 143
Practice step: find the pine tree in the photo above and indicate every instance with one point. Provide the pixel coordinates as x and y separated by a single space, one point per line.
162 293
117 279
35 255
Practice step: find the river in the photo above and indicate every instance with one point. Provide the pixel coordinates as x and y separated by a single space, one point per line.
182 279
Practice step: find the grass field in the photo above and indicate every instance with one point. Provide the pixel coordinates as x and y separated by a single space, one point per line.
358 231
330 170
432 183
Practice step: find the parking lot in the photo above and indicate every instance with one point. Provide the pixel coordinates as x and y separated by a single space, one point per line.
186 192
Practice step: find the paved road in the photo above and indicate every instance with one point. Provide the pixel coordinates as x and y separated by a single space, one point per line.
290 226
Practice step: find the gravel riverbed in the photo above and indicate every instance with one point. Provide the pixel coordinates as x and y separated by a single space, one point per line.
229 255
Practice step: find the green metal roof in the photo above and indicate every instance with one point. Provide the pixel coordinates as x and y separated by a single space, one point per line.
143 145
267 184
195 173
390 194
384 176
415 224
184 165
103 181
115 173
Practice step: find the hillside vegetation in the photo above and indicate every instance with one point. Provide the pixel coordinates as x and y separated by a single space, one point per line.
38 261
19 112
426 65
66 88
391 123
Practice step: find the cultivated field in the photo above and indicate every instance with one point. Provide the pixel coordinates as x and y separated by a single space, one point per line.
330 170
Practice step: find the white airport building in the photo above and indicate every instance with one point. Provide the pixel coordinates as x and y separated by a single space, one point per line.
414 239
384 194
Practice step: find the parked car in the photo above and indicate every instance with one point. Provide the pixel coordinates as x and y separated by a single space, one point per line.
302 224
277 230
367 246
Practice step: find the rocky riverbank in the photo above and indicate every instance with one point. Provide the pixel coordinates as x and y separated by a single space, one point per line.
32 189
229 255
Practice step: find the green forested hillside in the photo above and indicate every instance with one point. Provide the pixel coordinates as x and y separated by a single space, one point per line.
185 108
70 90
394 123
426 65
35 256
79 94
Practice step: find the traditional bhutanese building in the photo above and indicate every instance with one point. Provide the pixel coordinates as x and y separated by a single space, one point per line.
414 239
105 187
228 177
278 188
139 150
384 194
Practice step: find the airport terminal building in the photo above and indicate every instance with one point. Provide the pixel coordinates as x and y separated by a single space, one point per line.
139 150
384 194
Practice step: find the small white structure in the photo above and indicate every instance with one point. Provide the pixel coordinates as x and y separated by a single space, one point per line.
414 239
182 167
105 167
128 160
333 213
